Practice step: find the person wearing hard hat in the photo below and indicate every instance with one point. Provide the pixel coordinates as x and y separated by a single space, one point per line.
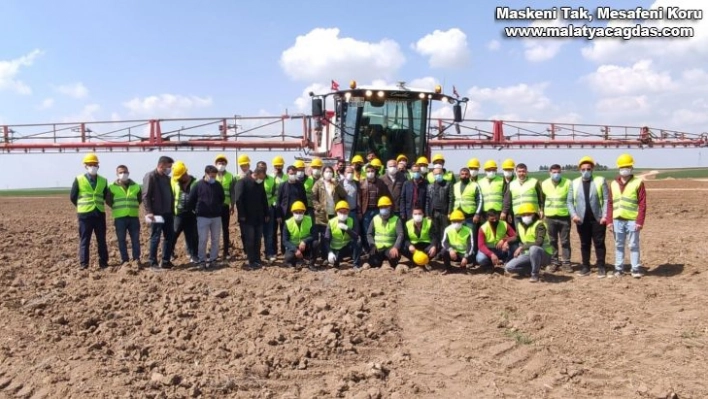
491 187
326 193
467 198
206 200
420 235
473 165
457 243
508 167
280 177
290 192
402 164
440 199
522 191
588 199
341 238
534 251
423 164
394 180
228 183
557 216
300 241
244 164
124 197
385 235
497 242
271 189
413 194
358 163
88 194
627 211
185 218
448 176
371 190
253 213
158 202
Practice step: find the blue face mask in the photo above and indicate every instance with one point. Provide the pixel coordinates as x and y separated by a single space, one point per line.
211 180
415 175
556 176
438 178
586 174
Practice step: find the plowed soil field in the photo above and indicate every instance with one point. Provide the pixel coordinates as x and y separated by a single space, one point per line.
379 333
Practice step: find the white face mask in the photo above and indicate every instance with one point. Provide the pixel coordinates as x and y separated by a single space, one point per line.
370 175
392 170
221 167
317 172
423 169
298 216
292 178
328 176
259 181
527 219
123 177
624 172
457 226
491 174
384 212
300 174
168 171
417 218
474 172
349 176
508 173
92 170
342 217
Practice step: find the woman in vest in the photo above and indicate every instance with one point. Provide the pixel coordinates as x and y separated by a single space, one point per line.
341 238
535 250
385 235
457 243
299 238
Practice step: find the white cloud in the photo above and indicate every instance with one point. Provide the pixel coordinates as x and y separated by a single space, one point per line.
426 83
46 103
624 105
640 77
303 104
74 90
494 45
514 97
444 49
165 105
544 49
10 69
323 53
87 114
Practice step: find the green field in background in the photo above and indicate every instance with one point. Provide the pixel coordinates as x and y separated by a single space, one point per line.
35 192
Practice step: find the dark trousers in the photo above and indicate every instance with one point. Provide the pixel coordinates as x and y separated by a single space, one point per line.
124 226
93 225
252 235
225 221
559 230
469 222
167 231
352 249
591 232
447 260
440 221
309 254
278 233
365 222
421 246
378 255
269 234
187 223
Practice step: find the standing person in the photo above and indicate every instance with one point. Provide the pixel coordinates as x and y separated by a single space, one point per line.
414 194
468 199
448 176
508 176
228 183
473 165
627 208
557 213
371 190
522 191
88 194
588 199
124 198
492 188
206 200
185 219
340 170
351 187
158 201
280 177
326 193
271 188
358 165
290 192
440 200
252 204
394 180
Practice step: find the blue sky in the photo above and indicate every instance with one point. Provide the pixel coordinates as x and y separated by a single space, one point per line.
86 60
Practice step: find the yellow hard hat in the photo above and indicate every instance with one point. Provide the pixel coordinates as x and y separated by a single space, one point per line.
422 161
586 159
178 170
357 159
90 158
221 157
298 206
376 163
457 216
299 164
384 201
473 163
625 161
400 157
341 205
438 157
526 209
490 164
278 161
244 160
508 164
316 163
420 258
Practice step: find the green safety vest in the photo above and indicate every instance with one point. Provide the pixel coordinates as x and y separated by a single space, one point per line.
301 232
599 182
625 205
556 197
309 183
459 239
447 176
466 200
125 200
492 193
225 181
271 189
340 239
180 196
90 198
424 237
527 235
385 234
491 237
523 194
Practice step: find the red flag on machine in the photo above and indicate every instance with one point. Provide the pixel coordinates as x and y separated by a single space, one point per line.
335 86
454 91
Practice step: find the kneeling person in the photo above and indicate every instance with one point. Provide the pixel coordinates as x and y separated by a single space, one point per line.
420 235
535 249
385 235
341 238
300 243
497 241
458 243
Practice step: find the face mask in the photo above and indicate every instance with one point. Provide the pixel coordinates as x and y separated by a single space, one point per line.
415 175
417 218
556 176
328 176
211 180
300 174
341 170
384 211
438 178
298 216
259 181
317 172
123 177
587 174
491 175
465 179
392 170
624 172
342 217
92 170
292 178
508 173
349 176
474 172
527 219
370 175
457 226
357 167
221 167
423 169
168 171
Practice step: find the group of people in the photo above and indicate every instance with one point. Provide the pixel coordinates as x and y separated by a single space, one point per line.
370 213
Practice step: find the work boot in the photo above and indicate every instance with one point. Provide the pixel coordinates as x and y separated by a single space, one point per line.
585 271
534 278
601 272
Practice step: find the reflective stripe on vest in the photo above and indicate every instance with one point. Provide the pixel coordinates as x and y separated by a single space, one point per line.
459 240
492 238
523 194
447 176
625 205
385 234
528 236
599 182
340 239
556 197
125 200
301 232
466 200
181 196
225 181
90 198
270 186
424 231
492 193
309 183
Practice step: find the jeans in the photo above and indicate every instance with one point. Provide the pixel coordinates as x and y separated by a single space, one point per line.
128 225
94 224
167 230
187 223
559 227
269 234
591 233
503 256
252 235
365 222
225 222
533 261
626 232
469 222
208 227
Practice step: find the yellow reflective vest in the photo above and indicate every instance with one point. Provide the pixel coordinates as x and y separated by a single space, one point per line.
226 179
527 235
125 200
466 200
492 193
459 240
385 234
90 198
299 232
492 237
625 204
523 194
339 238
424 237
556 197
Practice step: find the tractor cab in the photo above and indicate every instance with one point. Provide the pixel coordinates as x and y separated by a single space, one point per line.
386 121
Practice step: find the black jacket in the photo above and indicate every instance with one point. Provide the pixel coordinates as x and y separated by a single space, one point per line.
251 201
157 194
405 202
440 198
288 194
206 199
